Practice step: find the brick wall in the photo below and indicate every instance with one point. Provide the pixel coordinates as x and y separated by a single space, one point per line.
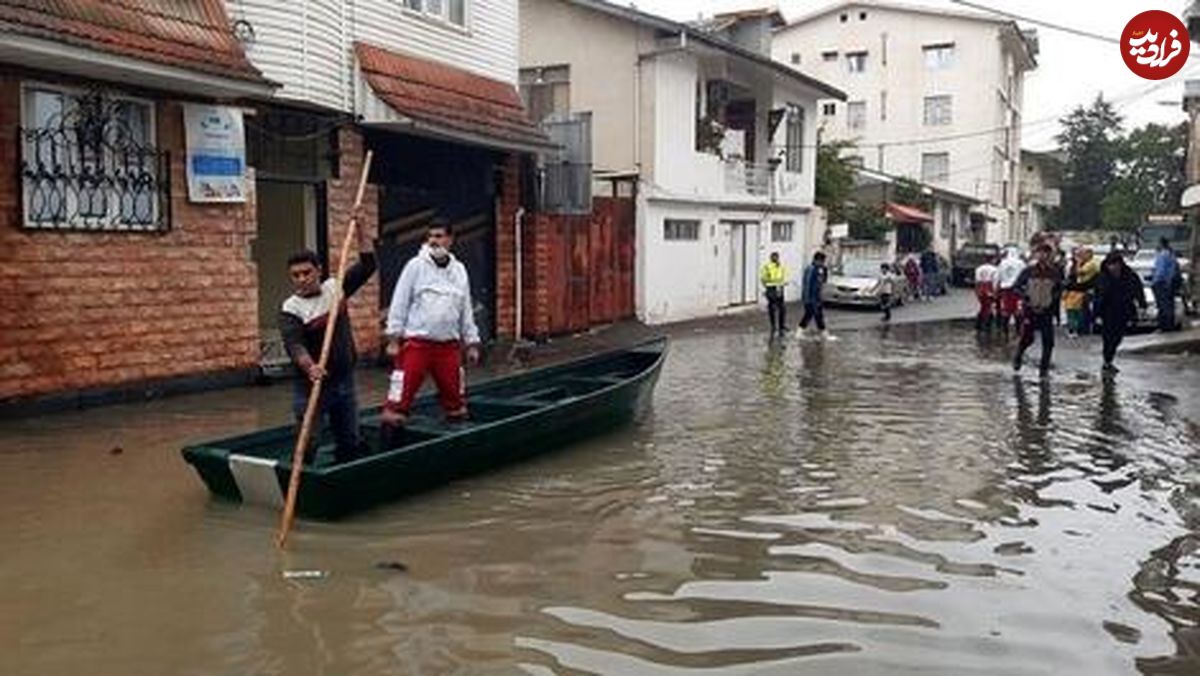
534 262
94 310
364 305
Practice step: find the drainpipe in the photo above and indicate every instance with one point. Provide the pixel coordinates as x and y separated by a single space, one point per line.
518 221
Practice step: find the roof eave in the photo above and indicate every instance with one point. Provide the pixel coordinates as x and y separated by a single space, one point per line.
50 55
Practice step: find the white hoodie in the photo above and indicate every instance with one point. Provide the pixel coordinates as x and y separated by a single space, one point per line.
1010 269
432 302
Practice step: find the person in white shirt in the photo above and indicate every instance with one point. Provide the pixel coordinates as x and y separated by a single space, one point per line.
1006 278
429 324
987 291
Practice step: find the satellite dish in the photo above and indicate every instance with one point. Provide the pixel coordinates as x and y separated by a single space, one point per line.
1191 197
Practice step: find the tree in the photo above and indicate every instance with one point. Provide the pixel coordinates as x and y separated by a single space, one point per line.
867 221
1090 138
835 179
1150 175
1126 205
911 193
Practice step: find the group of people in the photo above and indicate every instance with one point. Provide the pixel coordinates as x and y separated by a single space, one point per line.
1108 293
919 273
774 279
430 328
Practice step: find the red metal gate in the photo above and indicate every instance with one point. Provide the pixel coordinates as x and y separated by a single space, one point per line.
590 265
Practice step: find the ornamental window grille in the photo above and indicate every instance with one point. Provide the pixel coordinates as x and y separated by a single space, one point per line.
89 162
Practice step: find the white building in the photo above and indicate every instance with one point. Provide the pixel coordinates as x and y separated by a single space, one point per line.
720 139
1041 188
934 95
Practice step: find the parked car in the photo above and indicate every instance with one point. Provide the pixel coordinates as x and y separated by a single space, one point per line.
856 282
969 257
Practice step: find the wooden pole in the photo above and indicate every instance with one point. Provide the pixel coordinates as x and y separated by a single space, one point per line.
314 396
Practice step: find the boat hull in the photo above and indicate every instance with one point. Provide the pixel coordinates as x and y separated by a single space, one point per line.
512 419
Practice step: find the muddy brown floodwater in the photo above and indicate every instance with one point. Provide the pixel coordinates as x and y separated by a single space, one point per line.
884 504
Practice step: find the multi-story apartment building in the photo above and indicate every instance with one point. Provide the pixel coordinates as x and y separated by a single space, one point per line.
932 94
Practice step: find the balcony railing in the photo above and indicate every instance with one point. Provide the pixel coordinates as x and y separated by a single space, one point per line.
747 178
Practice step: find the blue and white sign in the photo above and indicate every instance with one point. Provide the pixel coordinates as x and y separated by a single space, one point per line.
216 153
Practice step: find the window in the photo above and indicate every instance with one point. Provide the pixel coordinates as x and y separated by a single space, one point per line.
829 109
937 110
829 56
939 57
795 139
935 167
567 177
845 18
883 105
680 230
862 16
856 62
856 115
781 231
90 162
795 58
452 11
546 91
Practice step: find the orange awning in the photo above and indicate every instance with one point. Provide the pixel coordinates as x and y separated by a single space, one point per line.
902 213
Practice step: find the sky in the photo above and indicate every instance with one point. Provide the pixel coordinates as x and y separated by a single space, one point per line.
1071 71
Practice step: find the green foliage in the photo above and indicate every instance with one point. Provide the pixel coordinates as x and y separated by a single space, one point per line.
835 180
867 221
1112 180
1150 175
908 192
1090 137
1125 205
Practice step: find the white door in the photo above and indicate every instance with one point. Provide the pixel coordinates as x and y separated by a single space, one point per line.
743 262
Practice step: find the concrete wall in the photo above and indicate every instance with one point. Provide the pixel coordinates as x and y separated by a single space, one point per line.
602 53
305 45
977 81
679 280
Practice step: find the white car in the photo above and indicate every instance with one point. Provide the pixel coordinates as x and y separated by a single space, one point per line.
857 282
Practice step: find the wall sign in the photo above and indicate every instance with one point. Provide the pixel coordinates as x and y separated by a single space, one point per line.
216 153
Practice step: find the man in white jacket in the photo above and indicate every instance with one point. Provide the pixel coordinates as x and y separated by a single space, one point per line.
429 323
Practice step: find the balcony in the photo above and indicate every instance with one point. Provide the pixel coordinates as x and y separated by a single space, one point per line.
747 178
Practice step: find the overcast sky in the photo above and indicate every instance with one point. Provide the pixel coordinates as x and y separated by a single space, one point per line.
1071 69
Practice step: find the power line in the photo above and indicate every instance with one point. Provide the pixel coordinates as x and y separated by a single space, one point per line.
1048 24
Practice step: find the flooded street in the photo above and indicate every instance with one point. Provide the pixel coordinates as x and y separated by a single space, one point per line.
883 504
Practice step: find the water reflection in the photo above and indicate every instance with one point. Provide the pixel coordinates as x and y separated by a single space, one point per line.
892 502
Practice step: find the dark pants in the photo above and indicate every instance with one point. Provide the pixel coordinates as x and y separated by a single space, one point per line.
1113 332
339 404
885 304
813 311
776 310
1164 301
1036 322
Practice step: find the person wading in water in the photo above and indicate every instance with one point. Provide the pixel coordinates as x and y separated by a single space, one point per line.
1119 292
1040 287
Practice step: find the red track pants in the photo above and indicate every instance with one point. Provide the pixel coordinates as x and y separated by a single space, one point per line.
418 358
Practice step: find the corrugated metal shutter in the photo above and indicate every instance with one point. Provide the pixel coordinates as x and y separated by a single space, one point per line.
567 188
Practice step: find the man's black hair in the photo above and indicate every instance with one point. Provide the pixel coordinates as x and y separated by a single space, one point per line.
304 256
1164 243
819 256
439 225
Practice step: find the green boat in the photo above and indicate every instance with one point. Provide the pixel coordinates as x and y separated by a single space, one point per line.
511 418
